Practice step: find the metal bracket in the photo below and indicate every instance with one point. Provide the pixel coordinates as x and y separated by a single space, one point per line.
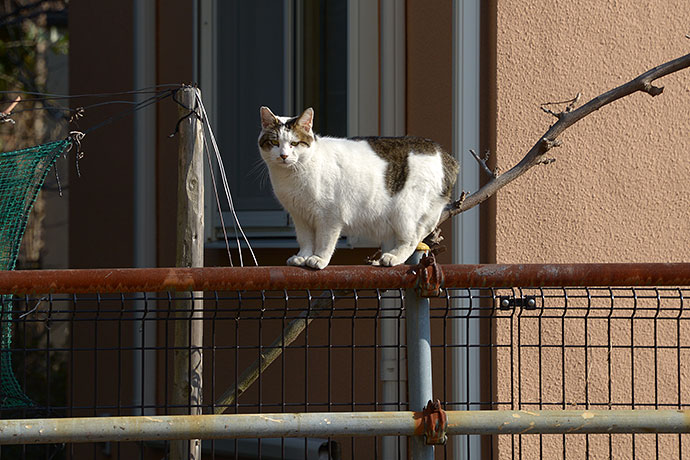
429 277
435 423
528 302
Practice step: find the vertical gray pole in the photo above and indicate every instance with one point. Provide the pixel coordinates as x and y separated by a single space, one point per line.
419 381
466 375
189 328
144 140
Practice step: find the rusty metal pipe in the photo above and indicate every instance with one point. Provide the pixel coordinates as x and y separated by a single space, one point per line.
337 277
567 275
202 279
334 424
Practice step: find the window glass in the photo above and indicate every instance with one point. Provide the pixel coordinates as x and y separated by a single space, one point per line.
287 55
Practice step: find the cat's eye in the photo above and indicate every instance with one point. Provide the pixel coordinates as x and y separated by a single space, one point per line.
294 144
274 142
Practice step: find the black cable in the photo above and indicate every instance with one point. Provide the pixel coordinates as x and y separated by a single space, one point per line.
157 97
68 109
50 96
141 105
57 108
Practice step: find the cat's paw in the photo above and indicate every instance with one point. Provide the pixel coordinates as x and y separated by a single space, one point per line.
389 260
316 262
297 261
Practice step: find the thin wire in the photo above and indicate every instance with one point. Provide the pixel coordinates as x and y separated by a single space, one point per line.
228 196
157 97
141 105
220 211
68 109
47 96
221 167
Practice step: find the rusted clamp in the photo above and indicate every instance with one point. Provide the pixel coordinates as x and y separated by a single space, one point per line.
435 423
429 277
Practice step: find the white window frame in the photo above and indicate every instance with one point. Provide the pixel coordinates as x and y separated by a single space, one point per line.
466 377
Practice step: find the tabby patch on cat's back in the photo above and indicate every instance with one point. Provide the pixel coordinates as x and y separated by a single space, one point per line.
395 151
389 190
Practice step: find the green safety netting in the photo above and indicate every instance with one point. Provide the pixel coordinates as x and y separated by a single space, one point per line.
22 173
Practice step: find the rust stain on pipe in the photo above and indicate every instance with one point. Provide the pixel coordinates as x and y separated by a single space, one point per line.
337 277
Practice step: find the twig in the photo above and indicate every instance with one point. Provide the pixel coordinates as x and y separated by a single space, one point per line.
14 103
482 162
549 140
571 105
5 114
433 240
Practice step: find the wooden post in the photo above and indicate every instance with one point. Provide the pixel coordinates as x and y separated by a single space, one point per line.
189 328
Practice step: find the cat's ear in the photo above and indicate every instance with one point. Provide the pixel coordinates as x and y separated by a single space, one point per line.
267 117
306 120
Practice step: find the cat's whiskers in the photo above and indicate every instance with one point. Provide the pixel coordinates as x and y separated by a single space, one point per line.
259 171
258 165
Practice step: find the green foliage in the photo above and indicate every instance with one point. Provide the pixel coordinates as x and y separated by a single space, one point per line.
27 29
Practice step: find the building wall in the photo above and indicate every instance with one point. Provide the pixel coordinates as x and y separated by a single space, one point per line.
617 193
618 190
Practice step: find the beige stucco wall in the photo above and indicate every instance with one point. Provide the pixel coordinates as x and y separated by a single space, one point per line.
618 192
620 188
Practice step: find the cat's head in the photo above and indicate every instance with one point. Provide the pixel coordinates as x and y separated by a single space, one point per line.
284 140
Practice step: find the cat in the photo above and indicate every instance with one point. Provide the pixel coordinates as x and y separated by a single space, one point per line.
389 190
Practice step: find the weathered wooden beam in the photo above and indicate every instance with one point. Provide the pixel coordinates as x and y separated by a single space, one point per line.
189 326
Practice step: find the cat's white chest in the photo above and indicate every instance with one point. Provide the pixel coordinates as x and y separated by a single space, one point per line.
344 186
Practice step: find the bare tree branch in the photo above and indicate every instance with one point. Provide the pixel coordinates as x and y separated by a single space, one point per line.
571 105
536 154
482 162
11 107
7 113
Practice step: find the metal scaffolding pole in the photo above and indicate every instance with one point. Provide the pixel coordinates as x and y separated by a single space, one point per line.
334 424
419 379
86 281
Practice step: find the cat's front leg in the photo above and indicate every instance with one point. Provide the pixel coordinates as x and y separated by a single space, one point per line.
396 254
305 238
326 238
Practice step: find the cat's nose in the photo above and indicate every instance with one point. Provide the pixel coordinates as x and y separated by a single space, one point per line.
283 156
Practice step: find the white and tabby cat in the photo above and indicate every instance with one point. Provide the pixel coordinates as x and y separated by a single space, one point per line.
390 190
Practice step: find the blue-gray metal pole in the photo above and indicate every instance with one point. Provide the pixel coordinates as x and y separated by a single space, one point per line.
419 380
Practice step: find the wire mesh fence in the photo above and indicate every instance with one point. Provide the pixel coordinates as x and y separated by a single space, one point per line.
529 349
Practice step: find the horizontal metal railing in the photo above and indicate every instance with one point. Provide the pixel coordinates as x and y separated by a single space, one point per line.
334 424
341 280
338 277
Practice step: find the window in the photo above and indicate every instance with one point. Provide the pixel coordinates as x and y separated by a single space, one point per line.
287 55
